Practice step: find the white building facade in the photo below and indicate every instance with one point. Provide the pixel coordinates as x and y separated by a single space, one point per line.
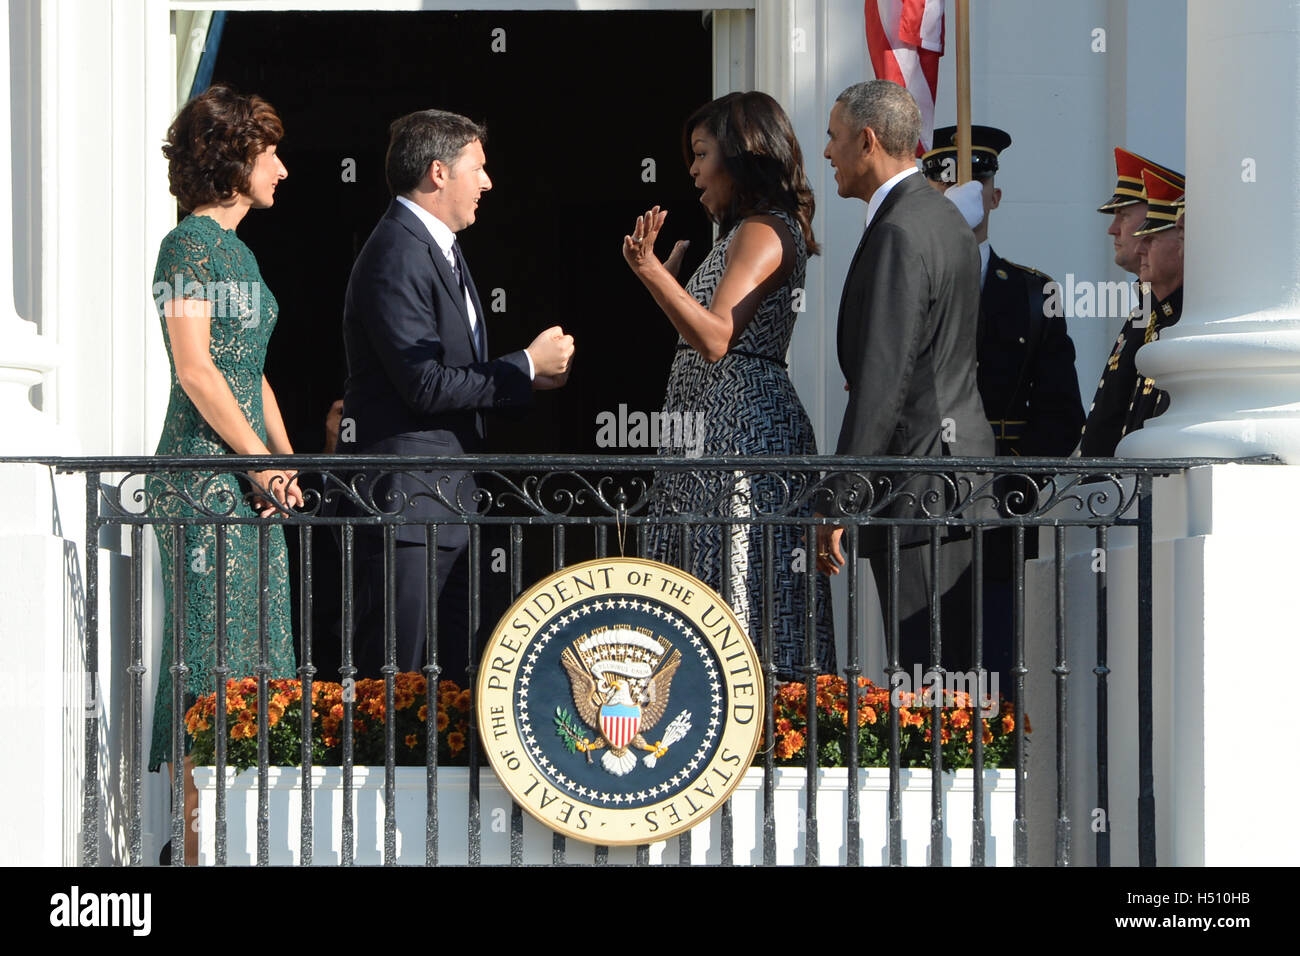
84 204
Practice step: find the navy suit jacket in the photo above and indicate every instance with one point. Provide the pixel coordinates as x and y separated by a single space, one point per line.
417 384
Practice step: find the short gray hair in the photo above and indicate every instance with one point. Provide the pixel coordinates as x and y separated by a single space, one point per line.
889 110
417 139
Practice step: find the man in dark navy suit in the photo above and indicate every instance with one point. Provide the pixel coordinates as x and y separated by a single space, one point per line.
420 379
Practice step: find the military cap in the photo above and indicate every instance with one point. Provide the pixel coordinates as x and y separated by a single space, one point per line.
986 143
1128 188
1164 197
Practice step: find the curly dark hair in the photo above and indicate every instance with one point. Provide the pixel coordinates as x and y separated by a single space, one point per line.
213 143
762 156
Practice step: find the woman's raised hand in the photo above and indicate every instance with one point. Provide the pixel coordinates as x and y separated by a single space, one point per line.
674 261
639 247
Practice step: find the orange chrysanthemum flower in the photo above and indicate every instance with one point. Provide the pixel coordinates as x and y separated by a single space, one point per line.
442 720
195 723
412 740
456 741
789 744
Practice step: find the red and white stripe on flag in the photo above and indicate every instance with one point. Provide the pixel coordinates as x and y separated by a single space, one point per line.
621 726
905 40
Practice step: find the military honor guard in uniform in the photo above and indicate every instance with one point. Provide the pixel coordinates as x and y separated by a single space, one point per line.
1026 369
1026 372
1109 417
1161 253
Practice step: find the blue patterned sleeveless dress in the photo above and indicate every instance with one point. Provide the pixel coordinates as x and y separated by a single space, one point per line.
744 405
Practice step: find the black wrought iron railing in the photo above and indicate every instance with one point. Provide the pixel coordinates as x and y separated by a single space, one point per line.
546 513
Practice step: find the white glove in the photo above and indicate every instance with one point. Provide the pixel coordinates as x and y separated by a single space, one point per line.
969 200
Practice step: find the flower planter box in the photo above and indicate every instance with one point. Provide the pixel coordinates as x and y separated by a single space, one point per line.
285 807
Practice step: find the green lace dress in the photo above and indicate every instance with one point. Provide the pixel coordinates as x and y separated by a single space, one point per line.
205 261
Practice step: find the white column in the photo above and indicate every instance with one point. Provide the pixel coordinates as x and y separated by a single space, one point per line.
25 355
1232 363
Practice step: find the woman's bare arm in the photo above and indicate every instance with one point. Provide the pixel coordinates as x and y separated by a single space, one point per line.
760 258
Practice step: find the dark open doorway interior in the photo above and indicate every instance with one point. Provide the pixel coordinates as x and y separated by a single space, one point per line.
575 104
584 114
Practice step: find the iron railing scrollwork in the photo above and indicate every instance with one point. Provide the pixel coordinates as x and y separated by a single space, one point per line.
612 502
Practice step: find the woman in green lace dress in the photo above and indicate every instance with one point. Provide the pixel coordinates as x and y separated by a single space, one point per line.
217 317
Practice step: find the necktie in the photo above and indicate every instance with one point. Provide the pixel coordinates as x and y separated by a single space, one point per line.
461 270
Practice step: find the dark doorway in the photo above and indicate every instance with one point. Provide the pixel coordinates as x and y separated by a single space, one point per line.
575 105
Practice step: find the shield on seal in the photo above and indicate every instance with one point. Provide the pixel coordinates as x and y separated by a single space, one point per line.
619 723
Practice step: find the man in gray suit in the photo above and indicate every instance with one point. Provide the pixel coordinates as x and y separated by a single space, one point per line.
907 329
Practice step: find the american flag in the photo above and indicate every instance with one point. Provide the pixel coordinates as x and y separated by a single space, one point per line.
905 40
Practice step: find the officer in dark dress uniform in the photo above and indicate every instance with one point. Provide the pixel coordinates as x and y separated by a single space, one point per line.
1026 377
1108 416
1162 268
1026 358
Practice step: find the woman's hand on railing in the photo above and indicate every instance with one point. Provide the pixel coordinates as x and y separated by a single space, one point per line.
283 487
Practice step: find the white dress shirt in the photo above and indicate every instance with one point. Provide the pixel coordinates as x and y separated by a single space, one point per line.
444 239
882 191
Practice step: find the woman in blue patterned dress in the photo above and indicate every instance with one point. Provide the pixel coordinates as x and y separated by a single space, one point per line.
217 316
728 387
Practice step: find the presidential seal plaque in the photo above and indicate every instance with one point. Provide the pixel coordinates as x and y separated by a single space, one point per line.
620 701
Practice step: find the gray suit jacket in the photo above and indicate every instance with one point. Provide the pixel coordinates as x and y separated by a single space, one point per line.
907 338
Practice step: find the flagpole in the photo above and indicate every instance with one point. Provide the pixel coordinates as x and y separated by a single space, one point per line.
963 91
